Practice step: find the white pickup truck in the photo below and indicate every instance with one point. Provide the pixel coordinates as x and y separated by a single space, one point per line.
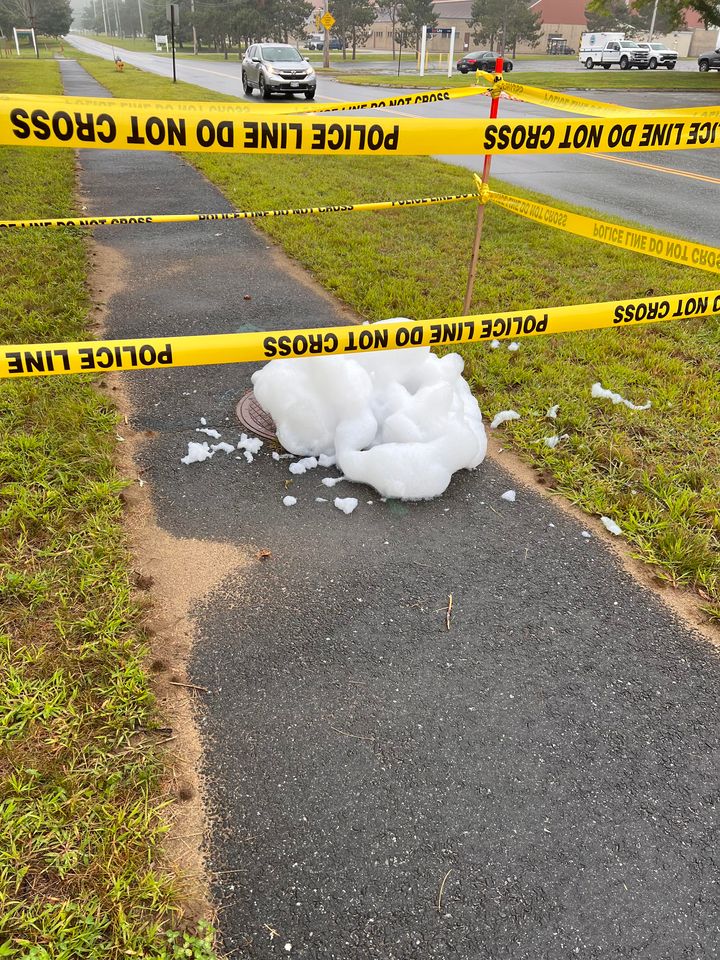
605 49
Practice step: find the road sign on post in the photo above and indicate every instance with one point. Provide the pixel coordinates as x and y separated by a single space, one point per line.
328 20
172 13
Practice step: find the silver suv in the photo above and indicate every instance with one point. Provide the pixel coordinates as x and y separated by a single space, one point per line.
277 68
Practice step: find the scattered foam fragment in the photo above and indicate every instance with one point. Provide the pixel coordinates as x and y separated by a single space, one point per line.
325 461
227 447
197 452
598 391
320 500
503 417
331 481
586 534
211 433
513 347
203 422
494 344
248 456
346 504
509 495
289 501
610 526
300 466
553 441
282 456
251 444
401 421
553 412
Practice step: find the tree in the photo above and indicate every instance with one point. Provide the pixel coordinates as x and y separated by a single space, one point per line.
613 15
508 21
49 17
391 7
353 19
413 15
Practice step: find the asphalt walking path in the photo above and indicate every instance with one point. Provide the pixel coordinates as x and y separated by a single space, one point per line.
540 780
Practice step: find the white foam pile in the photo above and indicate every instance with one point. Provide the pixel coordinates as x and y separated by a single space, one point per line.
401 421
599 392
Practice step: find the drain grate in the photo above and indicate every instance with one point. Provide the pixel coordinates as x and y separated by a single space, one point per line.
251 415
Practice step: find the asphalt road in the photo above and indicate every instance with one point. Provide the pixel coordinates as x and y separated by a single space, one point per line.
643 187
538 781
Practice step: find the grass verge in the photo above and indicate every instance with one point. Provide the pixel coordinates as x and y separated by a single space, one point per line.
81 795
143 45
665 80
656 473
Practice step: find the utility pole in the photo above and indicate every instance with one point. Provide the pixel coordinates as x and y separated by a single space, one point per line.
652 22
142 28
192 12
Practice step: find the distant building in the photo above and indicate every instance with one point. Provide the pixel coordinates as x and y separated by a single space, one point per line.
563 23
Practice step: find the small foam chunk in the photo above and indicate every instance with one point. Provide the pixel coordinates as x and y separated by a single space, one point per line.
326 461
203 422
513 347
509 495
553 412
251 444
346 504
503 417
289 501
331 481
197 452
211 433
227 447
610 526
320 500
301 466
599 392
494 344
586 534
553 441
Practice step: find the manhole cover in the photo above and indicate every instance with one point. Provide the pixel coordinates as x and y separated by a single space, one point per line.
251 415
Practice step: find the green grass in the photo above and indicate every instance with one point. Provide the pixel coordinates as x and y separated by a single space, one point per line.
143 45
666 80
81 795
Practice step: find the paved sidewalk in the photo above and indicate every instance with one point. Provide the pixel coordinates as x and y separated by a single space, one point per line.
549 764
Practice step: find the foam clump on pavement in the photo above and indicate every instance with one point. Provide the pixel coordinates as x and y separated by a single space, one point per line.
197 452
346 504
401 421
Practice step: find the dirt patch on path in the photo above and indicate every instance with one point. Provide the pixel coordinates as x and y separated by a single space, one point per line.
172 576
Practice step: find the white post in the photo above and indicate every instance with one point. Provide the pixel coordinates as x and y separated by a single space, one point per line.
142 28
451 53
423 46
34 40
17 44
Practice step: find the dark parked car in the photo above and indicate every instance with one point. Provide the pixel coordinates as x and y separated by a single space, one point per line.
709 61
482 60
277 68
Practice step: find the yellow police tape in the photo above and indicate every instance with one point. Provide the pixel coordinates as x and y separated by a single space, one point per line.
214 127
592 108
48 359
103 221
265 107
671 249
